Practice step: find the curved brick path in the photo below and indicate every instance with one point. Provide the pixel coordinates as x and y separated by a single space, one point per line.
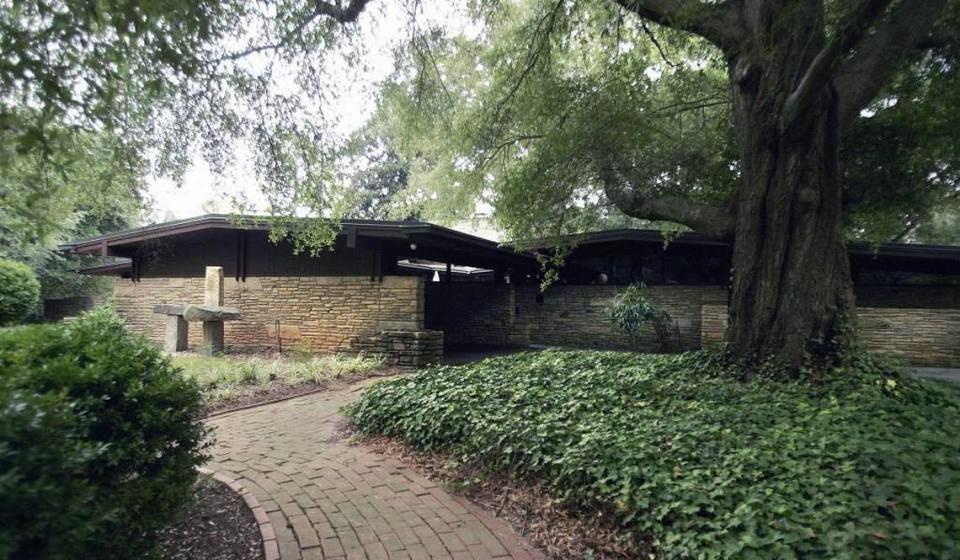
327 499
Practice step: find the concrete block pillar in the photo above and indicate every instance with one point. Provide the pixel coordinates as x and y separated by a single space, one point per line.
175 334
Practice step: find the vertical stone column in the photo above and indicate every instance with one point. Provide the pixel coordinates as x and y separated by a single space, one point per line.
212 338
175 334
213 296
213 286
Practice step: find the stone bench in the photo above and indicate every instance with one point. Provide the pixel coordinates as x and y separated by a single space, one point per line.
212 314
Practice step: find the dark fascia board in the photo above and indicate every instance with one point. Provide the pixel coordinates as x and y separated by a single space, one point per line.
107 269
859 248
906 250
187 225
406 229
615 235
363 228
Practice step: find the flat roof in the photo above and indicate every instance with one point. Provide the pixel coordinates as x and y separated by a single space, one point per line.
227 221
414 230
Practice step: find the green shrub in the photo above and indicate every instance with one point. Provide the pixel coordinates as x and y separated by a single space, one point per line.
696 463
99 440
632 310
19 292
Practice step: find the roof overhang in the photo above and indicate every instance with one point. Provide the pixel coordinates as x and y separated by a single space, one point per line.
436 241
446 245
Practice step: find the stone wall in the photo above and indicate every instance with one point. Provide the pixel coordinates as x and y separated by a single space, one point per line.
322 314
919 337
403 348
574 316
713 323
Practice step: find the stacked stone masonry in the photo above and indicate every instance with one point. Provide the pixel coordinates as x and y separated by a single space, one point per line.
410 349
321 314
409 320
919 337
576 316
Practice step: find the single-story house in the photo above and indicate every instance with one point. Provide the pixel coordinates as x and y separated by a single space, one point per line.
409 290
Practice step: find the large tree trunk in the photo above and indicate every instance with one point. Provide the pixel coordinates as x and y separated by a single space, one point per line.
792 296
792 88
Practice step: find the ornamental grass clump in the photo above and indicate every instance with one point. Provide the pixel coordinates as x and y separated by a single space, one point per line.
695 462
100 438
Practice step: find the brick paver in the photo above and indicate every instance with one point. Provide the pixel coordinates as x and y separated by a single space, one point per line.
327 499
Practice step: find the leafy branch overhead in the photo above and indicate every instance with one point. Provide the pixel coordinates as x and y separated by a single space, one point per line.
783 127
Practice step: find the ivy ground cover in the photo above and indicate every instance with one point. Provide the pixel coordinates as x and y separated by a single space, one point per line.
694 461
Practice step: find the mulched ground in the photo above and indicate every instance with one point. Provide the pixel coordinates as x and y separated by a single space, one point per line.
217 525
560 531
256 394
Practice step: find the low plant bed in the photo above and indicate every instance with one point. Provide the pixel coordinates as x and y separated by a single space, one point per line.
215 525
237 380
685 459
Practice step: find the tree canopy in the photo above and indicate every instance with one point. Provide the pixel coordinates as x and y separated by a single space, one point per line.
784 127
534 135
520 106
83 186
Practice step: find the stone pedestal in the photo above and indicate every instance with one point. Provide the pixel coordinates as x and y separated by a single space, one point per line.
213 296
212 314
213 286
212 338
175 334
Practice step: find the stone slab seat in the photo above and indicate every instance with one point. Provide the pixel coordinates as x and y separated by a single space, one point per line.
200 313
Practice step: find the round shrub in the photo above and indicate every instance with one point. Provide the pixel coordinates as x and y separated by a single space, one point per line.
99 440
19 292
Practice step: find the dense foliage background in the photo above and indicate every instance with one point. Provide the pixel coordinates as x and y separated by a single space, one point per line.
512 106
530 110
99 440
693 461
69 186
19 292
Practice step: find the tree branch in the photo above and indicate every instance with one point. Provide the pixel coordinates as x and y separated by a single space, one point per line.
336 12
851 30
862 76
718 23
339 13
704 218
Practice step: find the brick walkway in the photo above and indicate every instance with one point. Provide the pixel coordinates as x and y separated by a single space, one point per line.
327 499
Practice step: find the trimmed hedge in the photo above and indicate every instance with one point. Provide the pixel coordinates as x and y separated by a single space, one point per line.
694 462
99 440
19 292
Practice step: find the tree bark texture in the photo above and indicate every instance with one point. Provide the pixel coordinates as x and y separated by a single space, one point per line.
792 295
793 89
